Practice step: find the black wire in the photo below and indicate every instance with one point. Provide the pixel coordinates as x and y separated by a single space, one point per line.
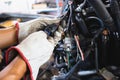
69 19
72 70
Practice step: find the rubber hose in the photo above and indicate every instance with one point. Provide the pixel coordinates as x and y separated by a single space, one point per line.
103 13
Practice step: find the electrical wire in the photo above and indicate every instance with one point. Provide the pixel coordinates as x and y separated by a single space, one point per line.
79 8
69 19
78 44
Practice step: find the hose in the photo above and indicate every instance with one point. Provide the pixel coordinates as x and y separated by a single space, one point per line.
98 19
115 10
101 24
103 13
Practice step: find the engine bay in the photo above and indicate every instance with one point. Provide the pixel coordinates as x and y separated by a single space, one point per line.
90 47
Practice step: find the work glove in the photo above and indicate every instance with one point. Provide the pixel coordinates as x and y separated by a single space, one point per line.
31 26
14 32
35 50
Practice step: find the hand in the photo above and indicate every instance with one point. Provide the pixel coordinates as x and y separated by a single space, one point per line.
35 50
26 28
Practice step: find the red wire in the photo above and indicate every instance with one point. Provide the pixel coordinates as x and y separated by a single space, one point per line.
78 44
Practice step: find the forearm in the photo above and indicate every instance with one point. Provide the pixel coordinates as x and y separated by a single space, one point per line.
8 37
15 70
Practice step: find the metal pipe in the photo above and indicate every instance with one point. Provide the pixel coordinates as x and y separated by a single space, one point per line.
86 73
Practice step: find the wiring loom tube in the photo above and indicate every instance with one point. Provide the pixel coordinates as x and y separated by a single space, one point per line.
103 13
116 13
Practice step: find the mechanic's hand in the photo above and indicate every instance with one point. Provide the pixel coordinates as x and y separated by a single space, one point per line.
31 26
35 50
